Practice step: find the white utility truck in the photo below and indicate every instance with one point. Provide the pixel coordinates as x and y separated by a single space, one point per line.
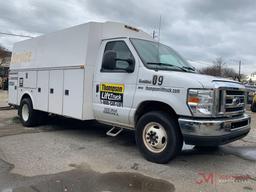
120 76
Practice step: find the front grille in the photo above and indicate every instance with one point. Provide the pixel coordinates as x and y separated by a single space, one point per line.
232 102
232 92
234 109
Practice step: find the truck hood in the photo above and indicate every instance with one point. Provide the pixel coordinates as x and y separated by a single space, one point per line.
195 80
208 81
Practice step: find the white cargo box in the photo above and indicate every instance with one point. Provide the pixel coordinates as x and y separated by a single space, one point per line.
57 69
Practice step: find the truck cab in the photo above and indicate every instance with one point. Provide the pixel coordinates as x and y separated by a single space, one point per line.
131 81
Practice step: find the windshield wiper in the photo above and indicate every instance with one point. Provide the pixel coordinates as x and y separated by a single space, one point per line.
167 64
189 68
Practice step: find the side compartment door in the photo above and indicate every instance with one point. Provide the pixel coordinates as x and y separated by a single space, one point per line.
114 86
73 93
13 89
56 91
42 91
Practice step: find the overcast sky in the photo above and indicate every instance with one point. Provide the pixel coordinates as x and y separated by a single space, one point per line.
200 30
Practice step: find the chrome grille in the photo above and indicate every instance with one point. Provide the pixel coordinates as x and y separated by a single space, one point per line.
232 102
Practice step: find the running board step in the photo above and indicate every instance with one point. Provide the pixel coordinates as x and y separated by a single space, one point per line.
114 131
6 108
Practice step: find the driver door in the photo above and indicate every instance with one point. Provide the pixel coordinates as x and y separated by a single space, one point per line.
114 87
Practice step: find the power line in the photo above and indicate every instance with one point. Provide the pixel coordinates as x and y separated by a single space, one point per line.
17 35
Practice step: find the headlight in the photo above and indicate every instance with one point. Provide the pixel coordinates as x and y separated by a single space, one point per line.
200 102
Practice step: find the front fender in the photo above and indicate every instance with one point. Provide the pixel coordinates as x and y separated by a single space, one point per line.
173 97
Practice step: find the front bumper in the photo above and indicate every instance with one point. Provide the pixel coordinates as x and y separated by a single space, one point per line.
214 132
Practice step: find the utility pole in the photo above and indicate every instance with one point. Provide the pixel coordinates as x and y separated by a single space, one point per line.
239 70
220 69
154 34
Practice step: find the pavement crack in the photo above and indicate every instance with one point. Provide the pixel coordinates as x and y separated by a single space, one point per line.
246 141
34 188
2 155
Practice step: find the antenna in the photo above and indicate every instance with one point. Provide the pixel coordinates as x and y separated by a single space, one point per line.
159 29
155 34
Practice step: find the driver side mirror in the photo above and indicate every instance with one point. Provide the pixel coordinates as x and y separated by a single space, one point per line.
110 60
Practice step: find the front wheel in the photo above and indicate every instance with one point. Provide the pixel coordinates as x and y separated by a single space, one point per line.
158 137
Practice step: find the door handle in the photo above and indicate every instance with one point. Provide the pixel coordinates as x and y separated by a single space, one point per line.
67 92
97 88
51 91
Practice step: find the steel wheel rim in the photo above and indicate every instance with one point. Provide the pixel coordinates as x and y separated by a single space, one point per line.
155 137
25 112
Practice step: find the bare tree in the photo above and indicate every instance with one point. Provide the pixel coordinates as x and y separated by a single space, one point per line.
219 64
4 53
218 69
229 72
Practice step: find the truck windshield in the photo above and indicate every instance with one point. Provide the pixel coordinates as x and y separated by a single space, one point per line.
160 57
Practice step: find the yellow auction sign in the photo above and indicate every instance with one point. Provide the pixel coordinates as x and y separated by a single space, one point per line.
112 88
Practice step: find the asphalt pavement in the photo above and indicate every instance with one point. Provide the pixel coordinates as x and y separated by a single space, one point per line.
70 155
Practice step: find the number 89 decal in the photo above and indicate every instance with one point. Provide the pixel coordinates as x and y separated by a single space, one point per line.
157 80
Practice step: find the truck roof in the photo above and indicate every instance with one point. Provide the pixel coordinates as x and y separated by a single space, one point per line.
109 30
74 46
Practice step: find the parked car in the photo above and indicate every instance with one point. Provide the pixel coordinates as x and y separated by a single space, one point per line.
5 83
253 105
1 83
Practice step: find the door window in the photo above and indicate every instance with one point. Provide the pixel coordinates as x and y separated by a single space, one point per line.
122 53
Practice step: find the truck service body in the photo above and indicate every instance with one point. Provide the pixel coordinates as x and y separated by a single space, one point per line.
119 75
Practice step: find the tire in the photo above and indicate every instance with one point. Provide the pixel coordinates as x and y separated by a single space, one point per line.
27 114
158 137
253 107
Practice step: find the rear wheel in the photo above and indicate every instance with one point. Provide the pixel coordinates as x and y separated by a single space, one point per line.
28 115
158 137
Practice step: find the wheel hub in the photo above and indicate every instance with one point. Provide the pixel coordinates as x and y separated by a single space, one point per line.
155 137
152 138
25 112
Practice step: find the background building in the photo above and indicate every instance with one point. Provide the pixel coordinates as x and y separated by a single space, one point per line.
251 78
